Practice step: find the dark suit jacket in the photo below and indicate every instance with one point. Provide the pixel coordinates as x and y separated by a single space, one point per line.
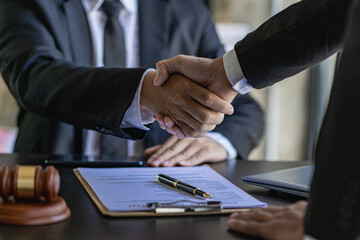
295 39
45 58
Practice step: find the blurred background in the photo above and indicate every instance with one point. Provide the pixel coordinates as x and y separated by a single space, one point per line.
293 108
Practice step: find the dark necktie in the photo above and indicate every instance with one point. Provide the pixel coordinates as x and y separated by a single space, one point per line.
114 56
114 41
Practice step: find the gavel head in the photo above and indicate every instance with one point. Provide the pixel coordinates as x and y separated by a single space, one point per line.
29 182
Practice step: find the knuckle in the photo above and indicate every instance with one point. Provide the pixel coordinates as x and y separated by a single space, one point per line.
184 85
160 158
180 56
197 155
203 128
160 64
185 153
178 99
178 59
155 155
171 112
208 100
206 148
191 133
204 117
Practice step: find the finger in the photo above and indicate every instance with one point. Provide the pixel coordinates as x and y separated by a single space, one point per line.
245 226
165 68
177 132
185 154
149 151
161 74
195 125
169 123
166 156
191 108
153 159
210 100
300 204
167 144
194 115
173 65
196 159
194 68
160 119
203 115
258 215
190 126
190 132
171 128
272 209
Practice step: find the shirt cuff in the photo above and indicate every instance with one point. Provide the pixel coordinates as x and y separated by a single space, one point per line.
235 74
224 142
134 117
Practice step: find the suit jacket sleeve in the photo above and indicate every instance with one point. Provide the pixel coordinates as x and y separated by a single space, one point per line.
302 35
45 82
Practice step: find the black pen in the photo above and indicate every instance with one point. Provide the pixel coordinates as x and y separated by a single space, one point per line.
181 185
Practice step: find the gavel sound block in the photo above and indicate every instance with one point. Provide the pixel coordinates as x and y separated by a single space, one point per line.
30 196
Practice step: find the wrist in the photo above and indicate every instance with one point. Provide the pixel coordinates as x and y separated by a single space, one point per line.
223 86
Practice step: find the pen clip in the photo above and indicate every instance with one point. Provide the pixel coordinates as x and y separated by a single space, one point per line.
192 206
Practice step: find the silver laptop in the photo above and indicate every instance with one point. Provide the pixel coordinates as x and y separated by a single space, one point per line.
292 180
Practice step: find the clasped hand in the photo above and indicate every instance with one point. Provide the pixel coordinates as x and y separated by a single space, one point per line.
194 109
209 73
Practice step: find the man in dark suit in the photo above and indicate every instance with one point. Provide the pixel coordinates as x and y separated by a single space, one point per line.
296 38
242 130
46 58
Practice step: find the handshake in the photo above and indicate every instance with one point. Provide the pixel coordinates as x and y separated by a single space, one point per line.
187 95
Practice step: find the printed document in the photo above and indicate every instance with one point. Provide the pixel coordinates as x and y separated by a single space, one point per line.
131 189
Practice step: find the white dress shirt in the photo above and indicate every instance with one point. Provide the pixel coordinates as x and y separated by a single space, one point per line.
134 117
235 74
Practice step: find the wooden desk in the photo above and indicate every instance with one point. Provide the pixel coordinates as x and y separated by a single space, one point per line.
86 222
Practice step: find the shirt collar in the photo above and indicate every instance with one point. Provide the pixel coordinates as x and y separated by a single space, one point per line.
129 5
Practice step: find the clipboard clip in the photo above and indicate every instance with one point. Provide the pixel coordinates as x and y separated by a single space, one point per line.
182 206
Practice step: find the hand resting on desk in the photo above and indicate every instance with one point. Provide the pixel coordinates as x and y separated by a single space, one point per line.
277 223
185 152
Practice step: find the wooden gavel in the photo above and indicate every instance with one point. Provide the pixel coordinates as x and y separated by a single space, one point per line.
29 182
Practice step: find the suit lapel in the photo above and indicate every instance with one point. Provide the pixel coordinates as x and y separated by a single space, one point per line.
79 32
153 24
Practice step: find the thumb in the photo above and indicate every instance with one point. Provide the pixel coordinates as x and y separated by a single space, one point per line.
166 67
161 74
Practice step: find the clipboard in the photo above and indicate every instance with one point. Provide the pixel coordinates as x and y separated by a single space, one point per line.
157 209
